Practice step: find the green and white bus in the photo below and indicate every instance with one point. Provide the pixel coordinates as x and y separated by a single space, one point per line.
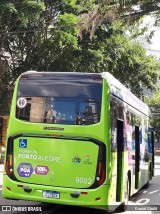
78 139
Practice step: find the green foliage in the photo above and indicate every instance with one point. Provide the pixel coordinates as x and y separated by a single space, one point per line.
29 10
154 104
68 35
45 35
130 64
111 10
20 13
16 19
155 100
110 50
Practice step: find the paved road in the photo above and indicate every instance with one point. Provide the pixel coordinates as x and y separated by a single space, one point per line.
1 175
147 198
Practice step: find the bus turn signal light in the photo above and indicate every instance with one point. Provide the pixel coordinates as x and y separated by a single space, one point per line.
11 160
101 173
100 167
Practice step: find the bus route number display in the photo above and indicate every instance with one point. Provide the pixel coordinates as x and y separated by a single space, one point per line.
21 102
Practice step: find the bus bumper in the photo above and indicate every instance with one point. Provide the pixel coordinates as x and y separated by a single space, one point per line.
91 198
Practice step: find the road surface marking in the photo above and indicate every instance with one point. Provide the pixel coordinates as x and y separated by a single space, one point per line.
153 192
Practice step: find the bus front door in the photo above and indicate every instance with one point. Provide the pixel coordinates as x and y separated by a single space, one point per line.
137 157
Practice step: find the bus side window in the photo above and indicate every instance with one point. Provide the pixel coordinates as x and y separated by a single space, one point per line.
120 110
113 124
113 114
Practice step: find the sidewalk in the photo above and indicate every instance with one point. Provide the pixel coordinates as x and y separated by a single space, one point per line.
157 152
1 174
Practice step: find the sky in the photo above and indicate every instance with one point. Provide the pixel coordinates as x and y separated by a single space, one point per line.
154 47
156 41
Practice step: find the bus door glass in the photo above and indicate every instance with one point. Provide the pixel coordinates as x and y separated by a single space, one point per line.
137 156
120 149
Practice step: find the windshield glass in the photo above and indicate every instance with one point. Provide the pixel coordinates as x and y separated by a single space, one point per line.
73 101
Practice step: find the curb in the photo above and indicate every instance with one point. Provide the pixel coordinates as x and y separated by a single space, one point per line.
157 152
1 167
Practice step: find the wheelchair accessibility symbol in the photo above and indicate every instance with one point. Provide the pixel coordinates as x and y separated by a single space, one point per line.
23 143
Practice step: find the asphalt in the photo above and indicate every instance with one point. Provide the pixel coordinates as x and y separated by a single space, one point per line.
1 175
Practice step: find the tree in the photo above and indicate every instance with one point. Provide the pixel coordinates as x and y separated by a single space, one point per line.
111 10
36 29
130 64
14 18
110 50
60 38
32 34
154 104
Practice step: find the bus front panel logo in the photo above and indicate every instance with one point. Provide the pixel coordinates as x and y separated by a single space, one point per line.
23 143
25 170
41 170
53 128
76 159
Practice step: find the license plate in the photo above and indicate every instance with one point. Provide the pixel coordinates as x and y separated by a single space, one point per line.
50 194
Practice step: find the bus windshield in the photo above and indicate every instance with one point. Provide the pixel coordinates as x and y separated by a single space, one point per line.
74 102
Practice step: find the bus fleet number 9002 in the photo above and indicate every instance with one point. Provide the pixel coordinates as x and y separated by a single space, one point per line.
80 180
